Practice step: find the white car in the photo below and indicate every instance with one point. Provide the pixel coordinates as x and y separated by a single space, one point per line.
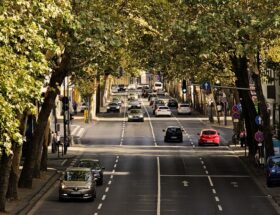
115 89
163 111
184 108
134 104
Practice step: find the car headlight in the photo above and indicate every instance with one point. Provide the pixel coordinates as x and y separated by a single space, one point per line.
129 116
63 186
129 106
118 107
141 115
108 107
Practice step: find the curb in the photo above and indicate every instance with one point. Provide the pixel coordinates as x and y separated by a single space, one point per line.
28 204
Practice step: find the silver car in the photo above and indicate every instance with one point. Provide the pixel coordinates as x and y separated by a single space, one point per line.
135 115
77 183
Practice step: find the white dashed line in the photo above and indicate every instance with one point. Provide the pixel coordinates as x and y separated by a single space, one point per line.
220 207
64 161
99 206
110 182
115 165
111 176
210 181
103 197
95 213
217 199
206 172
214 191
113 171
107 189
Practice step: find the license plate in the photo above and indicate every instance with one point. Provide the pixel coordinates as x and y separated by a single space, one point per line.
75 193
173 137
208 141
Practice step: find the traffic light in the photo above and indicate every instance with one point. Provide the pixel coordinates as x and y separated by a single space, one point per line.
65 103
184 86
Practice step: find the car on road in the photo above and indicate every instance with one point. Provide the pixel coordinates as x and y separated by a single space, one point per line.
173 134
273 170
132 96
172 103
113 107
96 168
122 88
163 111
117 100
132 104
209 136
184 108
77 183
156 103
151 95
135 115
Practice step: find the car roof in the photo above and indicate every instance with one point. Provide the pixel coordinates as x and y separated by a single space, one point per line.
173 126
209 129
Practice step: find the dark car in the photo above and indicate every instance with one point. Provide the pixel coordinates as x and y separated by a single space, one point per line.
173 134
172 103
96 168
77 183
209 136
273 170
135 115
122 88
113 107
146 92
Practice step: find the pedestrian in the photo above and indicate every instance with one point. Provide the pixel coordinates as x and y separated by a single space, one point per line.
54 142
242 138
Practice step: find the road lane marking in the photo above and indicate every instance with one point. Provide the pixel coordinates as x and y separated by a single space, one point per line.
210 181
110 182
220 208
214 191
111 176
212 176
95 213
64 161
206 172
159 188
150 123
99 206
217 199
107 189
103 197
115 165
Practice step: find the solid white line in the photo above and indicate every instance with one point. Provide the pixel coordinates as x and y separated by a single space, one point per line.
103 197
99 206
220 207
107 189
217 199
210 181
151 125
159 188
213 176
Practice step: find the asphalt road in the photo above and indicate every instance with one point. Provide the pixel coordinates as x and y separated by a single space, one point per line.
145 176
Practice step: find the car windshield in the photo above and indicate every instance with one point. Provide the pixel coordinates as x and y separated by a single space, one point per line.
174 130
88 164
113 104
185 105
209 132
135 111
158 85
77 176
274 162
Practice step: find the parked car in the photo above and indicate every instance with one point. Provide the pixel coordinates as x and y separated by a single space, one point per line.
173 133
132 104
209 136
273 170
184 108
114 107
135 115
172 103
77 183
163 111
95 166
114 88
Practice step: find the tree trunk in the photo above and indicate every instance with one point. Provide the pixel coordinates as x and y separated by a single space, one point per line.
265 127
239 66
56 80
12 192
5 167
47 140
106 89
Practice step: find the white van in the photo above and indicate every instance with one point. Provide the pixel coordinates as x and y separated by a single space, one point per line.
158 86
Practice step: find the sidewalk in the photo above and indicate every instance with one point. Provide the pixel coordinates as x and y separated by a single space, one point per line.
28 197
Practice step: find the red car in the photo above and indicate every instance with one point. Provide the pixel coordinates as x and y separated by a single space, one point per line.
209 136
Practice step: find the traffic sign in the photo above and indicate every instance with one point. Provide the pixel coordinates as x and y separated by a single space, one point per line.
235 109
258 120
206 86
236 115
259 136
